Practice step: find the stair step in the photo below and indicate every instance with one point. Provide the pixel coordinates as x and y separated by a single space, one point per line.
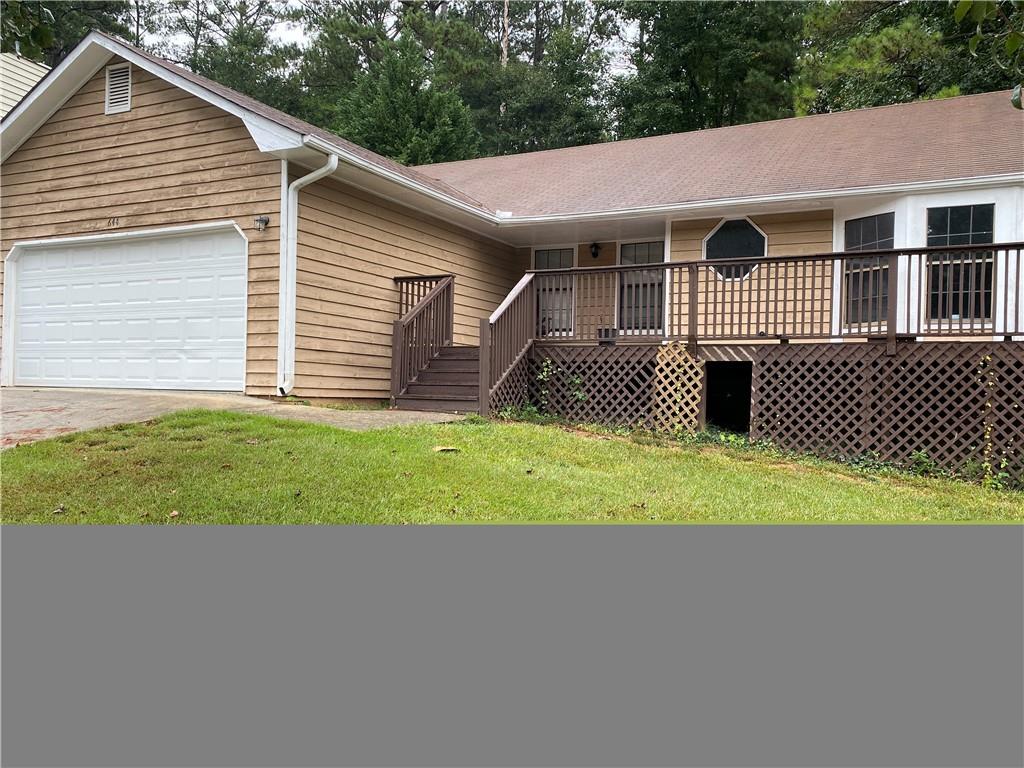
457 391
459 353
455 365
439 404
432 376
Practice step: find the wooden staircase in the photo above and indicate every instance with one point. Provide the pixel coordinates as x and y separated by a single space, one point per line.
450 382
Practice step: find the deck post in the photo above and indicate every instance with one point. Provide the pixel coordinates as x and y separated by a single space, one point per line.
485 366
691 323
892 304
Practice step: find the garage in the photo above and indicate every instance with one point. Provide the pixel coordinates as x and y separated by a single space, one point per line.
162 309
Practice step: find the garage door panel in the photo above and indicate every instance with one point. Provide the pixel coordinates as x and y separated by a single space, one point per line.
157 312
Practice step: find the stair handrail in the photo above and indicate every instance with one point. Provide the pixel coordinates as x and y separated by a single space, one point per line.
506 337
418 335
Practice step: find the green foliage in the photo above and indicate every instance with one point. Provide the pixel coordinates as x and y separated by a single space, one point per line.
394 109
46 30
869 54
708 64
232 468
430 80
714 436
26 26
528 413
1000 27
242 55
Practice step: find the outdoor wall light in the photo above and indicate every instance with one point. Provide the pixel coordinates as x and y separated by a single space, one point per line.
261 222
595 250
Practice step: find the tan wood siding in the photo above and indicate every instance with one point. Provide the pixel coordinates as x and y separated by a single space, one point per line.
789 234
351 245
595 305
172 159
18 76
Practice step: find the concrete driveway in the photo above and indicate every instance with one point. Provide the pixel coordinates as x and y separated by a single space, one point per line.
31 413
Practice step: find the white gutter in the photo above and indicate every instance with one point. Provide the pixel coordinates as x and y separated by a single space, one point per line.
511 220
503 219
286 275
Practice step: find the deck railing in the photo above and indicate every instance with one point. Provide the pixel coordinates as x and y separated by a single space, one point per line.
413 288
506 336
941 291
423 329
945 291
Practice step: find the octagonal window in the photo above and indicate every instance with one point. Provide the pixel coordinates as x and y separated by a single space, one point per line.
735 239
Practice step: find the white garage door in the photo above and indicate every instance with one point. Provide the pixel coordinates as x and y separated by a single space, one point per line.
160 312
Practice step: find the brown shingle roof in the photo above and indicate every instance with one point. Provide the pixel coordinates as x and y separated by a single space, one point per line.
961 137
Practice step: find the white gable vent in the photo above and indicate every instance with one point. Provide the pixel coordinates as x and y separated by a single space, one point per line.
119 89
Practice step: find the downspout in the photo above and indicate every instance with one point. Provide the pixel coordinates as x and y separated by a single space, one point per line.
286 275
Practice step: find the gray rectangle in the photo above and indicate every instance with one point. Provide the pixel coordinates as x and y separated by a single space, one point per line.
724 646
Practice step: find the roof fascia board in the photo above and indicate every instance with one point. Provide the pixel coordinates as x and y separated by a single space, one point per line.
97 50
349 157
268 135
34 106
490 231
659 210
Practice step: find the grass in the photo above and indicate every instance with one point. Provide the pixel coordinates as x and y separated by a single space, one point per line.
214 467
340 405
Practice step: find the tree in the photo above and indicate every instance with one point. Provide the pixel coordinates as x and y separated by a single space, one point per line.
881 52
47 30
26 28
556 103
142 18
551 92
708 64
395 110
1001 26
230 41
188 20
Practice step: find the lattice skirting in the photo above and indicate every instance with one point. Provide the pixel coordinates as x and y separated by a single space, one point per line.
960 403
514 389
656 387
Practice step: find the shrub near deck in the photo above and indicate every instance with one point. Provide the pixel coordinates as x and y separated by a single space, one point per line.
216 467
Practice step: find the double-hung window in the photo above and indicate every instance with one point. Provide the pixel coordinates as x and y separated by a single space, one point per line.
642 292
960 285
867 279
554 292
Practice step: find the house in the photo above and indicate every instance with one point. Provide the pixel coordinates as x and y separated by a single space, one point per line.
18 76
842 283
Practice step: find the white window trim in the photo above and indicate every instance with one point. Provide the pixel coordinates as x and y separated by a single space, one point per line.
876 327
11 278
107 109
575 248
1000 265
667 282
718 226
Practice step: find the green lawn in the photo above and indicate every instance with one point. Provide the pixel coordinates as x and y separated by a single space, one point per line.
211 467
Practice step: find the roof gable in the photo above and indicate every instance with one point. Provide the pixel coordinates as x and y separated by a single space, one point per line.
272 130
